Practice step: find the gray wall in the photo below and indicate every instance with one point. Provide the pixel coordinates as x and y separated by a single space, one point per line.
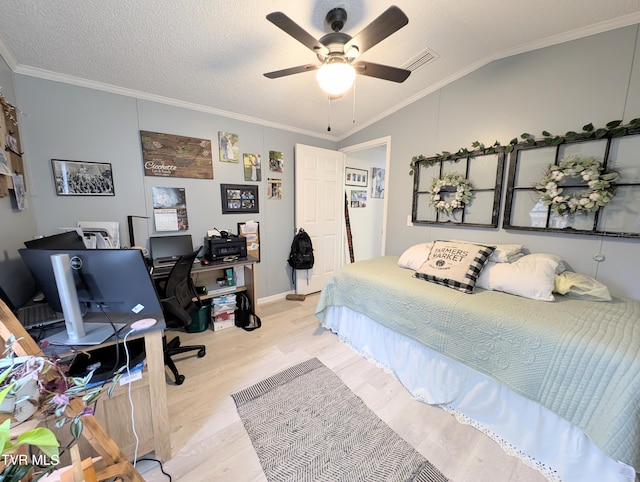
17 226
77 123
559 88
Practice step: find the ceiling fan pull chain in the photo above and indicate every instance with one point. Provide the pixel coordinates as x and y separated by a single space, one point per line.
329 119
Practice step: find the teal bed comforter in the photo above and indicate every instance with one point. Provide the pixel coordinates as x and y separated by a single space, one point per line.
580 359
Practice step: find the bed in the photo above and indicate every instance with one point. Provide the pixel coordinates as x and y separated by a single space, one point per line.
555 383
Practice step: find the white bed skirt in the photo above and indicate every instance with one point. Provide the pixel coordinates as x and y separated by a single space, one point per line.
542 439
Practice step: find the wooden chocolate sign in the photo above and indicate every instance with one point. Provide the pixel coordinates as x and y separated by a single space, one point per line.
168 155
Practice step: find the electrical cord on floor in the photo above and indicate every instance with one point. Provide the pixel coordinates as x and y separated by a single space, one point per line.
129 381
133 424
159 463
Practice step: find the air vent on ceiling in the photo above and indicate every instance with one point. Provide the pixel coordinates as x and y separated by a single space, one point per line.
420 60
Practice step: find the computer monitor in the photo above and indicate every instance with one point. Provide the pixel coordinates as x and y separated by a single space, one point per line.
110 280
68 240
170 248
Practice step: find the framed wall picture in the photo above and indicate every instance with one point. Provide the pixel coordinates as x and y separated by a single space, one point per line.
377 182
239 198
276 161
252 167
79 178
228 147
355 177
358 199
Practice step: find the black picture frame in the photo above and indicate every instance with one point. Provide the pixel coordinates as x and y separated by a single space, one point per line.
239 198
81 178
355 177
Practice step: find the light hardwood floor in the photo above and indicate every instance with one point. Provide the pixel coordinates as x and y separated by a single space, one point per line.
209 442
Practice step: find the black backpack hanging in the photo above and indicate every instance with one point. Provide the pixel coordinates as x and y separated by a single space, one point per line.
245 318
301 254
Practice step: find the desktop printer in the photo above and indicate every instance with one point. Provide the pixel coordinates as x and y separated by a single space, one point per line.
217 247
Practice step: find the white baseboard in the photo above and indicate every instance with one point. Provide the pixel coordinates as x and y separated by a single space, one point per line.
278 297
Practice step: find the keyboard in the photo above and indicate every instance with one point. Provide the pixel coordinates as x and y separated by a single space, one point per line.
38 315
161 270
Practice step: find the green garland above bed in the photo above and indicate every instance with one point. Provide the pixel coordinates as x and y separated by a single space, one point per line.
613 129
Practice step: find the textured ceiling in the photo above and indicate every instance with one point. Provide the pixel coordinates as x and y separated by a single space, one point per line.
212 54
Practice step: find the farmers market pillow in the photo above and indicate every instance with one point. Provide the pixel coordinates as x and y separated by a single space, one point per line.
456 265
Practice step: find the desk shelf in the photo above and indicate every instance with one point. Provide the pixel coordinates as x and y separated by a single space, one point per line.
222 292
207 275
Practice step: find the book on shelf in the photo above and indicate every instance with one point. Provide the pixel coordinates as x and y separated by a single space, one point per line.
224 289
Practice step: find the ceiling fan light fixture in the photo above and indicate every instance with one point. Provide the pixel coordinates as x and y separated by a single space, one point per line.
336 77
352 52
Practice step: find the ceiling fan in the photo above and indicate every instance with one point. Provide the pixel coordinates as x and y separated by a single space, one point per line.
337 51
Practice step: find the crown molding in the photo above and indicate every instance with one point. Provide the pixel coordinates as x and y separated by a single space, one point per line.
605 26
113 89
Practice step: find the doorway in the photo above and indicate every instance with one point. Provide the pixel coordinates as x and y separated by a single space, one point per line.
368 222
319 207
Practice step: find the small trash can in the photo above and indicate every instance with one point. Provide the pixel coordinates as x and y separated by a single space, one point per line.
199 320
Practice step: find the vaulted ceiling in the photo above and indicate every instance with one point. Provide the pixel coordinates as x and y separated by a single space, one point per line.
211 55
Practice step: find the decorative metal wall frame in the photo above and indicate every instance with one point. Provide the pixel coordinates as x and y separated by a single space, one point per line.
529 163
484 170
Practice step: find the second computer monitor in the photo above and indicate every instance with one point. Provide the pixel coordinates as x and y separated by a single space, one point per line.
68 240
167 248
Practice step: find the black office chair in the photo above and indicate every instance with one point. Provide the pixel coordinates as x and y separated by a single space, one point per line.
176 297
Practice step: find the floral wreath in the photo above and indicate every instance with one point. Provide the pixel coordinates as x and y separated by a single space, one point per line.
462 193
600 192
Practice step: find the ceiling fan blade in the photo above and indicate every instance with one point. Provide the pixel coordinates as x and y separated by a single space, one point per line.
390 21
291 70
381 71
283 22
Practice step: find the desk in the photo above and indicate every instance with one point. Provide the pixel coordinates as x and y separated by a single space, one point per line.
207 275
114 463
149 397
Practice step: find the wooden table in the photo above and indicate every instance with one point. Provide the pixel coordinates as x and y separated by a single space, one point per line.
154 419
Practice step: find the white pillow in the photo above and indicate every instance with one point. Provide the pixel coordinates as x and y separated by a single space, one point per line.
415 256
512 257
530 277
581 286
455 265
504 253
553 257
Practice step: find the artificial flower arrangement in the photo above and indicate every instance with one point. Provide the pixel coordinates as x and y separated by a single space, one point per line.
461 195
600 192
36 388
